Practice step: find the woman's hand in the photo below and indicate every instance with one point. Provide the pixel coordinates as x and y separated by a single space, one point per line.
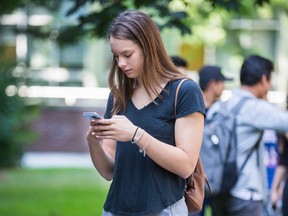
118 128
91 136
102 151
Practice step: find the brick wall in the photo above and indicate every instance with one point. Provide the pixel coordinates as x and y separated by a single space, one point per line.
61 130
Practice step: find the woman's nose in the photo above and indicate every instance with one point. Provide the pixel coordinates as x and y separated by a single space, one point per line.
122 63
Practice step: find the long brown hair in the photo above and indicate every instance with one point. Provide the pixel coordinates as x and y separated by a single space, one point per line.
139 28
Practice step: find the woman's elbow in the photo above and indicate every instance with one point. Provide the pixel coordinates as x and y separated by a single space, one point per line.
107 177
187 172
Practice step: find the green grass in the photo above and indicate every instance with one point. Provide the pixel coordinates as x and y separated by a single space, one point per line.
51 192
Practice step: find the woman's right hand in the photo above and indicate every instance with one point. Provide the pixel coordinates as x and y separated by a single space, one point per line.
102 152
91 135
118 128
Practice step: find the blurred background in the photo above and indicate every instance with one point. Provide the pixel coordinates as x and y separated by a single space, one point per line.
54 62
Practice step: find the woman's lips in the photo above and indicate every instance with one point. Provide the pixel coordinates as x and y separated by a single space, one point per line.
127 71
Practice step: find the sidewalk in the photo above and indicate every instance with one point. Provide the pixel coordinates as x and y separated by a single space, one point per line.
56 160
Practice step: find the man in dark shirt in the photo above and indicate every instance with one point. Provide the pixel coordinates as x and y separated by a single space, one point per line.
280 177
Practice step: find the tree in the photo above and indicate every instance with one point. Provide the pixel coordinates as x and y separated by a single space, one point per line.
15 117
95 23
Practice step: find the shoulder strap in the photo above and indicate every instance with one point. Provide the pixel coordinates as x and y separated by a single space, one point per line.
233 138
176 94
238 106
235 111
250 153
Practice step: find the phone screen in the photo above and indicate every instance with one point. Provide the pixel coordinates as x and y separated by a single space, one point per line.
92 115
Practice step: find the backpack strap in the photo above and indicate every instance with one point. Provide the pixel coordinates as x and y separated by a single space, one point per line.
250 153
176 94
238 106
235 111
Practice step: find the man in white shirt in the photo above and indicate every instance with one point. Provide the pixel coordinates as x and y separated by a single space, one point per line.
256 115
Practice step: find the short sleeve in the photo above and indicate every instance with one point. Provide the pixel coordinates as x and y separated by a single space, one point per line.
109 107
190 99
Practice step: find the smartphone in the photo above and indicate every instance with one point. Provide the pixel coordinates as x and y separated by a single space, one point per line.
91 115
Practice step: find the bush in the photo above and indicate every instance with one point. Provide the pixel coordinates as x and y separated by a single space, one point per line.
15 118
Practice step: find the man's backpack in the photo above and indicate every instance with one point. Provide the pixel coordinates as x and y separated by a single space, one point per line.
219 147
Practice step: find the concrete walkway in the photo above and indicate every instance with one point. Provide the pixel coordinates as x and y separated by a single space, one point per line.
53 160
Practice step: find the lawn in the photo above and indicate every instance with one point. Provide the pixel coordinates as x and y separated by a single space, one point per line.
51 192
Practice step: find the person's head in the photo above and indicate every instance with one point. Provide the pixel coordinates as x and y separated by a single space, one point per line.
212 79
256 71
180 63
138 54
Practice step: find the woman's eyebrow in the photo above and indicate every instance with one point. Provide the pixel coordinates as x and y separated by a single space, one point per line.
123 52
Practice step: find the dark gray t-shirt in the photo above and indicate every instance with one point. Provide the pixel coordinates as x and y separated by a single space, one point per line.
139 185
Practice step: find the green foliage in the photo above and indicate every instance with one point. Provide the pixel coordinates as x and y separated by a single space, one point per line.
15 118
96 22
7 7
95 16
233 5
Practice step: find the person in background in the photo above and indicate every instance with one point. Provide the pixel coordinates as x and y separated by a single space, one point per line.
180 63
211 81
247 196
279 190
140 144
270 147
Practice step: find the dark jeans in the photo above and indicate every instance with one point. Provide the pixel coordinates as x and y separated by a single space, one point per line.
232 206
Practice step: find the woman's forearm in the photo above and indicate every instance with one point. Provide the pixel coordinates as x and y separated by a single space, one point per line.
102 160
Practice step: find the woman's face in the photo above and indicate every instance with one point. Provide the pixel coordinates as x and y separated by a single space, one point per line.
128 55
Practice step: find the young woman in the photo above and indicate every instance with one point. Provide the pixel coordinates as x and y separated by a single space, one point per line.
139 144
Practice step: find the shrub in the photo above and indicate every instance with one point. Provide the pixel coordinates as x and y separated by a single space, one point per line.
15 117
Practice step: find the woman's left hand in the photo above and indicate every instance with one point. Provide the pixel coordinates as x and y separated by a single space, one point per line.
118 128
